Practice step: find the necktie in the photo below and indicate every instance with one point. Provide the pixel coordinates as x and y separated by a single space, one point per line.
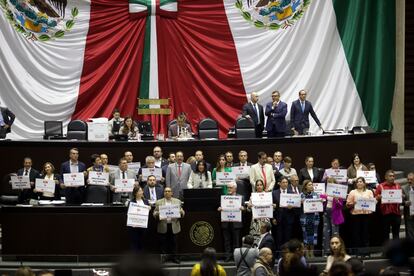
302 104
26 172
152 194
296 190
179 170
264 177
123 175
257 113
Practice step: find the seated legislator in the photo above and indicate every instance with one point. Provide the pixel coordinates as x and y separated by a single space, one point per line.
181 128
115 123
48 173
137 234
121 173
96 193
74 195
153 191
27 170
130 128
201 178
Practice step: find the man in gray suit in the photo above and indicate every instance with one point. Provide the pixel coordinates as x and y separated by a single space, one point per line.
121 173
168 228
245 256
177 175
408 220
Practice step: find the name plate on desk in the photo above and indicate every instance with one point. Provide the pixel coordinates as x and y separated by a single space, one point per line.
157 172
137 215
340 175
45 185
98 178
391 196
241 171
293 200
337 190
73 179
312 206
224 178
124 185
365 204
20 182
262 212
369 176
169 211
261 199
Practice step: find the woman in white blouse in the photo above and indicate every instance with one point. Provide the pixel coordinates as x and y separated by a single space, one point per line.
287 171
129 127
201 178
48 173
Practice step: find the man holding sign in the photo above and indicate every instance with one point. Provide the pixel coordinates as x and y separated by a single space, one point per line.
74 195
122 175
385 193
28 171
168 210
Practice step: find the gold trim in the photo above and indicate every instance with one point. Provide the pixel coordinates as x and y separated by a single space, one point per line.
154 111
153 101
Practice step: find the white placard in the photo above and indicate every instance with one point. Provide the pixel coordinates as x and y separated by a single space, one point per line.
137 215
224 178
20 182
337 190
45 185
340 175
312 206
319 188
98 131
73 179
261 199
365 204
169 211
134 166
293 200
241 171
112 168
229 202
157 172
124 185
412 203
369 176
262 212
391 196
98 178
231 216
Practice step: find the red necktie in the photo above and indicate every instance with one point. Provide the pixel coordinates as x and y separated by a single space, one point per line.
264 177
179 170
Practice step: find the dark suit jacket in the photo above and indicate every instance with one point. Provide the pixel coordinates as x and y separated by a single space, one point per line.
8 117
74 195
276 122
28 193
299 119
32 175
249 110
303 175
267 241
282 215
159 191
173 130
208 165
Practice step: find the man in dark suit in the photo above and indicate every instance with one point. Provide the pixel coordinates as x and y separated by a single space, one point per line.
282 216
266 239
299 114
276 112
74 195
243 183
199 155
27 170
254 110
159 160
6 120
153 191
171 160
295 188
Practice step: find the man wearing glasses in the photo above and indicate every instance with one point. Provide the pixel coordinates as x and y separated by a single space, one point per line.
276 112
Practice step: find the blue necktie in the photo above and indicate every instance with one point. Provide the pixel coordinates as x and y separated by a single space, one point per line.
302 104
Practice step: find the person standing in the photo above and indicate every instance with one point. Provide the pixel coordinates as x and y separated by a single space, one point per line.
245 256
168 228
276 112
74 195
254 111
137 234
177 175
121 173
27 170
409 219
299 114
6 120
262 171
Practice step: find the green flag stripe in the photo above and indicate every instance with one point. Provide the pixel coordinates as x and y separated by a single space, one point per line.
163 2
145 70
368 29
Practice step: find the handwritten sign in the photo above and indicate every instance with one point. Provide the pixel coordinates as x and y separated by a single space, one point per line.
137 215
391 196
45 185
340 175
312 206
124 185
337 190
261 199
169 211
369 176
262 212
241 171
157 172
20 182
224 178
293 200
73 179
98 178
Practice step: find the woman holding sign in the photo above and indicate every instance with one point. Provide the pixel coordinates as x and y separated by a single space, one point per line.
220 167
356 165
48 173
309 221
359 202
137 232
256 224
96 193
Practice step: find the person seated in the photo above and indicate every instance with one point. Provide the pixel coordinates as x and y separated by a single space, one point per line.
96 193
201 178
130 128
115 123
181 128
48 173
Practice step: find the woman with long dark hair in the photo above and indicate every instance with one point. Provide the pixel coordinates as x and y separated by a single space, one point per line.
200 178
208 265
338 253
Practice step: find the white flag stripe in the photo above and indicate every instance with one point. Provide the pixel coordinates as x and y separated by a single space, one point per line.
153 82
136 8
170 7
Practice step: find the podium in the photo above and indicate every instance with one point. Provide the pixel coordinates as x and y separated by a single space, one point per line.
202 199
